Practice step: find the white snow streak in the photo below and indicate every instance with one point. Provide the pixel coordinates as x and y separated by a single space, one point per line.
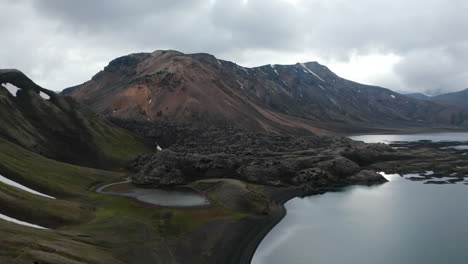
240 84
392 96
321 87
311 72
22 187
333 101
16 221
12 89
44 95
273 67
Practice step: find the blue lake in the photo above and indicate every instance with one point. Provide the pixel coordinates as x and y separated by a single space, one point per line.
401 221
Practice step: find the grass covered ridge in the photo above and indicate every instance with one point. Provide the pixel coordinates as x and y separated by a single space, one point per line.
86 227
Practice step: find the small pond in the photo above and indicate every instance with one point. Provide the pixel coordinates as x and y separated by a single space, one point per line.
169 198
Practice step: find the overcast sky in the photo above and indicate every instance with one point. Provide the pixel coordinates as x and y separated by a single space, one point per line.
412 46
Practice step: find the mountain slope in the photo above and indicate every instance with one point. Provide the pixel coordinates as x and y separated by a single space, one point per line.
457 98
419 96
59 128
169 85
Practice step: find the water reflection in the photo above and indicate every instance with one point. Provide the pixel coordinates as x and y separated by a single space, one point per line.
401 221
397 222
436 137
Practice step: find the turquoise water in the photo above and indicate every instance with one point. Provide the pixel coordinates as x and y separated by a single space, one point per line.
401 221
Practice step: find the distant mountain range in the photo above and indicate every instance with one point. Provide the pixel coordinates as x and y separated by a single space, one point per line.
459 98
299 98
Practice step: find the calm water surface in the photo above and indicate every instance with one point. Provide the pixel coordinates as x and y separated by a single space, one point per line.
436 137
400 221
157 196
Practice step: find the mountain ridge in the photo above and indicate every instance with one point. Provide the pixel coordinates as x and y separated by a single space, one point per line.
59 127
299 98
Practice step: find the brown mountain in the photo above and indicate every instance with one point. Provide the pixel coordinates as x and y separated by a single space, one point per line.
300 98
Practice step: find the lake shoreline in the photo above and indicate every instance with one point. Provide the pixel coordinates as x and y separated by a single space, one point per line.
236 239
246 235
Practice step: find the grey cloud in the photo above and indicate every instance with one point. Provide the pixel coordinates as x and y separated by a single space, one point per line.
435 70
75 38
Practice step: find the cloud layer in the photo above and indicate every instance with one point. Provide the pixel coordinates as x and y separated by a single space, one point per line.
422 45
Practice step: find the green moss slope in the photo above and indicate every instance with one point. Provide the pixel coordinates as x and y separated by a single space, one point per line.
86 227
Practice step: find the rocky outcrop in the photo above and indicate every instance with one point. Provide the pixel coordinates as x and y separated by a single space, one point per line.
262 158
366 177
20 80
426 160
58 127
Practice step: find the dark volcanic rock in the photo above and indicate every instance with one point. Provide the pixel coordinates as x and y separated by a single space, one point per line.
455 180
437 182
418 178
366 177
339 166
199 152
364 154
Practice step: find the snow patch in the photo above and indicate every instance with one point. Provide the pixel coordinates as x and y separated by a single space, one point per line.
44 95
321 87
244 70
240 84
22 187
261 71
333 101
227 102
219 62
16 221
150 100
389 177
158 147
392 96
12 89
273 67
311 72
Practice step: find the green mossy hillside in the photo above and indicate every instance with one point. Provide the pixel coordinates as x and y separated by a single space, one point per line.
85 227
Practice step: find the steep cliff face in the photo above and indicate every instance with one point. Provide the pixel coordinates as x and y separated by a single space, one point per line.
305 97
58 127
